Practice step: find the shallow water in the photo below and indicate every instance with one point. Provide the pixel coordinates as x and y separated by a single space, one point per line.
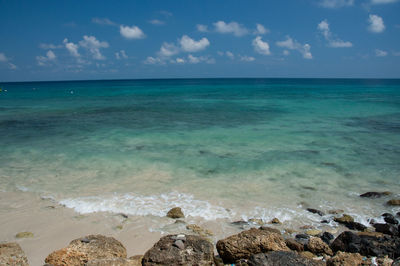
219 148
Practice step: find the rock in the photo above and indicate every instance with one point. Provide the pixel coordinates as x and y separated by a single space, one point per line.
294 245
256 221
246 243
344 219
290 231
24 235
398 214
87 248
388 229
175 213
394 202
197 251
374 195
313 232
345 259
114 262
281 258
389 218
239 223
179 244
269 229
385 261
327 237
396 262
355 226
307 254
198 230
320 213
307 226
275 221
367 245
218 261
317 246
302 238
336 211
12 254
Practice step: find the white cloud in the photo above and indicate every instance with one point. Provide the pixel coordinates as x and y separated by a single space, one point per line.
121 55
12 66
323 26
376 24
380 53
260 46
260 30
190 45
47 46
232 27
246 58
153 61
202 28
230 55
291 44
195 60
168 49
133 32
157 22
72 48
3 57
44 60
103 21
378 2
93 46
336 3
286 52
180 60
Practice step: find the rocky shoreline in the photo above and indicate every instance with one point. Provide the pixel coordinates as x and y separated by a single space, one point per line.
263 244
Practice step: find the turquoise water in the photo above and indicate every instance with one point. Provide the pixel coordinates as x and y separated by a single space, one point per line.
220 148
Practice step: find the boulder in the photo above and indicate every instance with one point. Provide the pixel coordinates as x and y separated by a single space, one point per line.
327 237
87 248
275 221
114 262
196 251
12 254
354 226
317 246
389 218
388 229
394 202
270 229
246 243
281 258
344 219
375 195
367 245
294 245
175 213
320 213
345 259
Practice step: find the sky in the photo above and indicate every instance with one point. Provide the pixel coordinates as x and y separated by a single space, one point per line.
94 39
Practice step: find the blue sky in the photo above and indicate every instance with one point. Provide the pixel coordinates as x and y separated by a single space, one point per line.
69 40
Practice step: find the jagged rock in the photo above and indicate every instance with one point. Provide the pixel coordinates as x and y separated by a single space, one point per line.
275 221
345 259
375 195
317 246
344 219
199 230
394 202
281 258
294 245
389 218
24 235
175 213
367 245
114 262
87 248
388 229
197 251
246 243
12 254
218 261
320 213
327 237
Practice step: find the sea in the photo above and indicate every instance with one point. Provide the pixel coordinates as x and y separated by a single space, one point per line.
221 149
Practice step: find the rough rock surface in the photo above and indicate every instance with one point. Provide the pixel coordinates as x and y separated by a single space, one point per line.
281 258
294 245
327 237
87 248
367 244
345 259
12 254
388 229
175 213
246 243
344 219
199 230
354 226
114 262
317 246
394 202
196 251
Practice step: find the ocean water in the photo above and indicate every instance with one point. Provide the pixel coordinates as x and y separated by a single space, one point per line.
222 149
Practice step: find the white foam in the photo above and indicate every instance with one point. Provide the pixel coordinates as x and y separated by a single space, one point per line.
147 205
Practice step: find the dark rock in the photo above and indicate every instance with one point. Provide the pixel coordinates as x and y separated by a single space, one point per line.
375 195
281 258
398 214
302 238
269 229
275 221
12 254
389 218
388 229
175 213
317 246
355 226
218 261
294 245
324 222
367 244
394 202
327 237
320 213
197 251
246 243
